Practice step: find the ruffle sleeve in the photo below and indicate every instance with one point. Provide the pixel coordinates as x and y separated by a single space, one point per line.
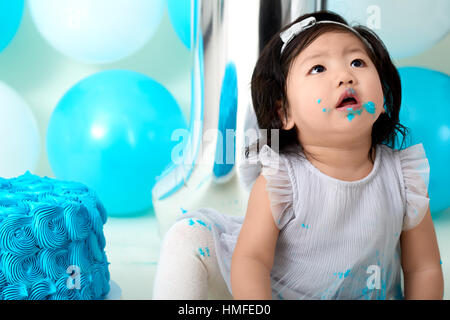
249 170
416 173
279 186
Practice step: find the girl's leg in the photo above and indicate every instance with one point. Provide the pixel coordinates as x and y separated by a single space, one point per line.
187 267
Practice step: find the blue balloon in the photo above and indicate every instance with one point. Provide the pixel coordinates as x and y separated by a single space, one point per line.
11 13
226 150
180 16
425 110
112 131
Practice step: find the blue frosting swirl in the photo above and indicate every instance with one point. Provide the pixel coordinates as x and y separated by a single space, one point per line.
62 289
48 227
86 292
100 280
20 268
95 251
16 235
31 269
54 262
3 281
78 256
42 289
4 184
16 291
77 221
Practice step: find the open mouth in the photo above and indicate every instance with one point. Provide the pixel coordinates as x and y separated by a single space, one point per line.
348 101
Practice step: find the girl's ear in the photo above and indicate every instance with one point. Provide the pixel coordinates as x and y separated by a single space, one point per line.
287 123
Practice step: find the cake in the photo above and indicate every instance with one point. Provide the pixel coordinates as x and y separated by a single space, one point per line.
51 241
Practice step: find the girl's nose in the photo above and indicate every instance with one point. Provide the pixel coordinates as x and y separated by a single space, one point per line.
346 81
345 77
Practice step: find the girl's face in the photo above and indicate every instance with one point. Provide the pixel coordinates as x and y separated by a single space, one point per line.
334 64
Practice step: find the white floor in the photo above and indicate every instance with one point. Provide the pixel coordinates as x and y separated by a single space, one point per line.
133 250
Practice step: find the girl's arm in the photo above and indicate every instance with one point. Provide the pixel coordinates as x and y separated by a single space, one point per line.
254 252
421 265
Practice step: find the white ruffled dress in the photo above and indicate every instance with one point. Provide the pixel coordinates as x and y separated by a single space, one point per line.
338 239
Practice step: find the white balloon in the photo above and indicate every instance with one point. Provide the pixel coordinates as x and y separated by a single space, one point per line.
407 27
97 31
19 135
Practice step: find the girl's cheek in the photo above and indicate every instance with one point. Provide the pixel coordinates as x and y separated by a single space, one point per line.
322 106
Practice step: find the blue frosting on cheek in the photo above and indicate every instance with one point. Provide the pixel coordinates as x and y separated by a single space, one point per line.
370 107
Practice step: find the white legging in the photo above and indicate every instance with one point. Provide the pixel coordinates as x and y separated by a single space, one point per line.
187 267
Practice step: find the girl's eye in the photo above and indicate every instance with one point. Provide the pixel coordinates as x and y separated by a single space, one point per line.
318 67
359 63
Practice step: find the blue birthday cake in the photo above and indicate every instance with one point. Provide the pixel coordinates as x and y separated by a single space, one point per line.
51 241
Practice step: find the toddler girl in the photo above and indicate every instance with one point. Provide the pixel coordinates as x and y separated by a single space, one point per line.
336 212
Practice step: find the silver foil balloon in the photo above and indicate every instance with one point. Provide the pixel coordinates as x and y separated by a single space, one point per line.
226 39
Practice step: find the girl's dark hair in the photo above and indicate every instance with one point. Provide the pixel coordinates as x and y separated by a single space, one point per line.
268 84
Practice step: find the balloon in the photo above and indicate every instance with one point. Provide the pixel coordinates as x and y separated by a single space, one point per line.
99 31
112 131
180 16
19 135
426 111
226 146
11 13
407 27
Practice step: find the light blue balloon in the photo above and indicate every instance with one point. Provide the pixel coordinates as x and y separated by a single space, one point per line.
112 131
407 27
426 111
180 16
100 31
11 13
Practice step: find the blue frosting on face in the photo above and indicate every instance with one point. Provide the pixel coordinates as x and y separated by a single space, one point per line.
51 240
368 106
